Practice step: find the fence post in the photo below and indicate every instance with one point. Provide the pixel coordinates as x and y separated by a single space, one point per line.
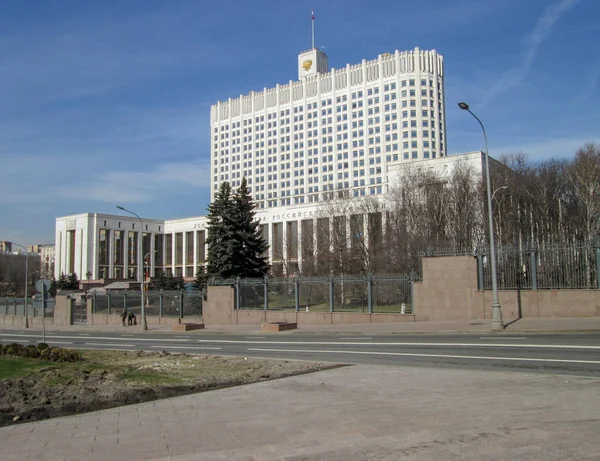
297 293
480 284
160 302
411 287
238 296
331 282
180 304
125 300
266 291
370 293
598 268
532 263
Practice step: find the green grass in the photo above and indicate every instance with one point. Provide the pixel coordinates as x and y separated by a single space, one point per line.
16 367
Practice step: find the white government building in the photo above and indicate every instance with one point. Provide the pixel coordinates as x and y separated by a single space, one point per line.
330 134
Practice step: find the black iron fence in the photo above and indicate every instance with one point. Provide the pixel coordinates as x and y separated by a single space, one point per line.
160 303
16 306
365 294
534 267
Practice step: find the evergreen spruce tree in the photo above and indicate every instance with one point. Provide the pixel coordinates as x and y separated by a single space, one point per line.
220 239
73 281
249 246
63 282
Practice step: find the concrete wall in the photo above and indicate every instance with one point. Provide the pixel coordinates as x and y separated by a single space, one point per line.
449 292
63 307
115 319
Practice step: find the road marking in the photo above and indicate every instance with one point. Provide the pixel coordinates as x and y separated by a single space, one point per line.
59 342
331 343
84 334
188 347
361 339
502 338
110 338
444 356
407 344
109 344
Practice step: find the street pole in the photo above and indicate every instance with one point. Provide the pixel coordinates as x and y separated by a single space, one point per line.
141 265
497 324
144 260
26 282
26 288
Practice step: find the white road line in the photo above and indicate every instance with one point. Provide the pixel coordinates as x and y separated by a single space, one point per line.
109 344
502 338
59 342
403 354
408 344
84 334
110 338
188 347
333 343
358 339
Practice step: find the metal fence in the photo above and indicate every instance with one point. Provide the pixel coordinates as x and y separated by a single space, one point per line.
370 294
161 303
16 306
534 267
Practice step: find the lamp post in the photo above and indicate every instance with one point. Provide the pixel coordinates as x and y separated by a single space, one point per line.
497 323
144 321
26 282
140 275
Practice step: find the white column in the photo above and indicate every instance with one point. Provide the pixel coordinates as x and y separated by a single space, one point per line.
173 252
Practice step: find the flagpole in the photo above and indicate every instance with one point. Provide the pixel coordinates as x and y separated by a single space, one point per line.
313 29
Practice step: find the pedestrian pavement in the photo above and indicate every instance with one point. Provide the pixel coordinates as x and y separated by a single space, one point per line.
517 326
361 412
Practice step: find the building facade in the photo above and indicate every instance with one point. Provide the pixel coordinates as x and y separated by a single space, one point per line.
115 247
333 132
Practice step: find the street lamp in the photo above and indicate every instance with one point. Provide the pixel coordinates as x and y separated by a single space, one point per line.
144 321
496 309
26 281
140 275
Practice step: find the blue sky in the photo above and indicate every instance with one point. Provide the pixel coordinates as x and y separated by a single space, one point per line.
107 102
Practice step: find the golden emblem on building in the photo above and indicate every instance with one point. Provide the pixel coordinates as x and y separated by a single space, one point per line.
306 65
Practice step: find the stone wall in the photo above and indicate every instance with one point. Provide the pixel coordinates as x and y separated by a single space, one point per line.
449 292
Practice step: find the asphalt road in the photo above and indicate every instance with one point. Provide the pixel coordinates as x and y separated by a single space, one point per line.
569 354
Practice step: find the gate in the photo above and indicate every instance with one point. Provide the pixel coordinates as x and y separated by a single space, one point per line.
79 311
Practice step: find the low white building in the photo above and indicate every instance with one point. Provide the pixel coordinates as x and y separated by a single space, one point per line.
112 246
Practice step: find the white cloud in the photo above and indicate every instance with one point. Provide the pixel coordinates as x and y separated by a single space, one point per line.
533 41
140 186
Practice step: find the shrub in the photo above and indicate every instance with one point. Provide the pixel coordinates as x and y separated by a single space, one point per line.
42 351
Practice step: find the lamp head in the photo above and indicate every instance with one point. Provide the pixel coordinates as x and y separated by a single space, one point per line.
120 208
463 105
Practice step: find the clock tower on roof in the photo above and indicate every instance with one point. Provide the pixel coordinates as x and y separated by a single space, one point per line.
313 61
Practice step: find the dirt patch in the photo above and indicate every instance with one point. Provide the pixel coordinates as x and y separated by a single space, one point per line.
107 379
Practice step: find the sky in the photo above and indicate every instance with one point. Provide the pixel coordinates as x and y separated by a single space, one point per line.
106 103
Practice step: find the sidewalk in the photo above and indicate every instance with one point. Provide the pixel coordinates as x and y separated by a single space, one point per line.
522 326
362 412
